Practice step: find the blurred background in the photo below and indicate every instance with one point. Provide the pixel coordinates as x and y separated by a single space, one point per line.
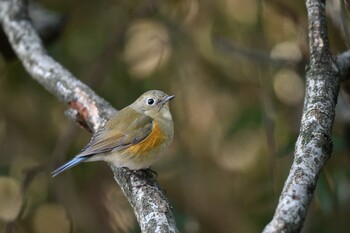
237 69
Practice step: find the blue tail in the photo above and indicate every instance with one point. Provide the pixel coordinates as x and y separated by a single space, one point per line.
69 164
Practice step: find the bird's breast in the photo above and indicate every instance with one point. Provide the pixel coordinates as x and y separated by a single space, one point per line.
154 140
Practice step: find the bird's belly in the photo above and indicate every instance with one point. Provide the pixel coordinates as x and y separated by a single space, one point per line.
136 161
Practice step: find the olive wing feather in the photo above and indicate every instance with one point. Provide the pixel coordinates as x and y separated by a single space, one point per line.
122 131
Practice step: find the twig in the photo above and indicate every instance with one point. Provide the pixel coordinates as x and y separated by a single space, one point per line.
260 56
87 108
343 64
314 144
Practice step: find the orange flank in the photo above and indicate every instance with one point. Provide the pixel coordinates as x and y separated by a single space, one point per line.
154 139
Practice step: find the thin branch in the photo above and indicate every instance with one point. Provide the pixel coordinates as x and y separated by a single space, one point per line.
260 56
314 144
343 64
151 207
255 55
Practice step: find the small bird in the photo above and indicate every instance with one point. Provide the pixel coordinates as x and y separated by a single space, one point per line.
135 137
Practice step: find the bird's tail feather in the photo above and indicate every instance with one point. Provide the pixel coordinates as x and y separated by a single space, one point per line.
75 161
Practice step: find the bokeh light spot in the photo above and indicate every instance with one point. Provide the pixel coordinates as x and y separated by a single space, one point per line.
289 87
147 48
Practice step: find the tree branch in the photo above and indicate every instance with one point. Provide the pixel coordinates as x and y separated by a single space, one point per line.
150 205
260 56
343 64
314 144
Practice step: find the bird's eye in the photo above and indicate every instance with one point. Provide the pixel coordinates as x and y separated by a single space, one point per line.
150 101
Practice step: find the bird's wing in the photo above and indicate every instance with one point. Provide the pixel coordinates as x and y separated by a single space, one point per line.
126 128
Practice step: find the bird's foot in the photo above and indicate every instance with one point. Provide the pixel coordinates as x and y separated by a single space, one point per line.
149 173
148 177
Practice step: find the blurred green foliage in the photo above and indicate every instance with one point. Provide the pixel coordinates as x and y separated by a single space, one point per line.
235 126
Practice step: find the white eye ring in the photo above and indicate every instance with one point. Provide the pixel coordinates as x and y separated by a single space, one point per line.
150 101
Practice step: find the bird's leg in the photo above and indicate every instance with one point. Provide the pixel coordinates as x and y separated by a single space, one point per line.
142 176
150 173
148 176
145 173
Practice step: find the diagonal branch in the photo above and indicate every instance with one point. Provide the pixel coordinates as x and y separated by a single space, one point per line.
314 144
150 205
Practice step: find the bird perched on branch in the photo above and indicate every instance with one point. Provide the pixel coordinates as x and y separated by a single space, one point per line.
135 137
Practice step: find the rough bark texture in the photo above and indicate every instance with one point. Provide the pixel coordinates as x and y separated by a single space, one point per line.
151 207
154 210
314 144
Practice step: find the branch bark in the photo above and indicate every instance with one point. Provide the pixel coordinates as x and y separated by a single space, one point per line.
314 145
151 207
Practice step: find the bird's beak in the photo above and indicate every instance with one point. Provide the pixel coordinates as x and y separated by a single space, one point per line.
168 98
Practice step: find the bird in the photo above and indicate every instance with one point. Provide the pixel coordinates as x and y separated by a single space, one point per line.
135 137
